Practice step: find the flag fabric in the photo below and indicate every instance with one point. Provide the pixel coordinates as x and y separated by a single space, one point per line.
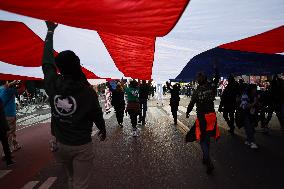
139 39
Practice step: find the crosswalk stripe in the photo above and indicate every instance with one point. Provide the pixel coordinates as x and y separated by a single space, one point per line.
36 119
25 118
4 172
48 183
30 185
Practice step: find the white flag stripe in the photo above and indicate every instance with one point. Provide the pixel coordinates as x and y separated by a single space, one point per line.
87 44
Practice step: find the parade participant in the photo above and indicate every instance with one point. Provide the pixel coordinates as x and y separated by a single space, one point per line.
8 93
249 104
133 106
206 123
74 109
174 100
159 94
228 103
277 95
4 128
143 97
118 103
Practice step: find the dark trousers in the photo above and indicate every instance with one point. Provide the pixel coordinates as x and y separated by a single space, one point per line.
133 117
250 122
119 112
204 139
6 148
174 110
229 116
143 110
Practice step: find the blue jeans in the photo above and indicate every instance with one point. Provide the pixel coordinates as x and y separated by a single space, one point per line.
204 138
143 109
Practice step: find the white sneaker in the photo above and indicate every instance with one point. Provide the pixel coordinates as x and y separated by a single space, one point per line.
253 146
134 134
247 143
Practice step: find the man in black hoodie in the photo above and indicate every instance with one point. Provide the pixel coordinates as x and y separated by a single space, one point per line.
206 122
74 108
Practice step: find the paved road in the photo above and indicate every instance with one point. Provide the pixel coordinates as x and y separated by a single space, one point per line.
157 158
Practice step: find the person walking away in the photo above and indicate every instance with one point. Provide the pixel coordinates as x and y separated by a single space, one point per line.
277 94
133 106
74 109
249 103
206 123
118 103
160 94
164 89
8 93
228 103
4 128
107 100
174 100
143 97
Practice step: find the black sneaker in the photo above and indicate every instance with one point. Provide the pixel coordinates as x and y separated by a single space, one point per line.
120 125
210 168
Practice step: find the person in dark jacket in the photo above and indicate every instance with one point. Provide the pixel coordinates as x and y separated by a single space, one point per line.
74 109
4 128
228 103
174 100
144 89
206 123
277 95
133 106
118 103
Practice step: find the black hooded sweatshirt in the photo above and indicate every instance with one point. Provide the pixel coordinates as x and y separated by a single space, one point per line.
74 105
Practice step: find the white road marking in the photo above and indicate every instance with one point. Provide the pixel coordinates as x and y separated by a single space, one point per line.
36 119
168 110
109 115
48 183
25 118
183 126
156 112
30 185
4 172
46 121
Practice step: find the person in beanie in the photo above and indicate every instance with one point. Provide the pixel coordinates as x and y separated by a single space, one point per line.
133 106
74 109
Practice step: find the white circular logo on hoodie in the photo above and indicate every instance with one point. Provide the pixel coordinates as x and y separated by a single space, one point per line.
65 106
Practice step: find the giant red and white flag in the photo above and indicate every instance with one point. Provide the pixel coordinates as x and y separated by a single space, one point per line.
140 39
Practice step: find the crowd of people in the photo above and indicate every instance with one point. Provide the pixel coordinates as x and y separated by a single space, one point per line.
245 106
